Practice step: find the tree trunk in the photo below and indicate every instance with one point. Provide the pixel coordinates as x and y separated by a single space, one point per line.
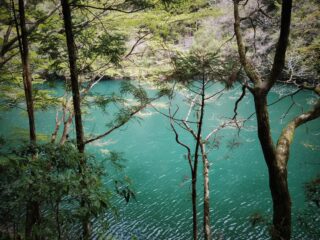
76 101
206 194
56 129
196 159
32 218
275 158
32 208
73 73
194 206
27 73
66 128
277 172
281 203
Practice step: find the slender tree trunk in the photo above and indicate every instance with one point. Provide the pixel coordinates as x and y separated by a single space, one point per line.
32 208
57 212
56 129
196 160
194 205
277 172
27 79
32 218
73 73
206 194
76 101
66 128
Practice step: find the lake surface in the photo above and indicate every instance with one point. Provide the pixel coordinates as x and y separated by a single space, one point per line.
161 176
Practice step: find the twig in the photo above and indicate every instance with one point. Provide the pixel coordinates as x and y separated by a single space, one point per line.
235 110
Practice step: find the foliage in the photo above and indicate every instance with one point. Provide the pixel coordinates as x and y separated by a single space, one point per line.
201 65
54 181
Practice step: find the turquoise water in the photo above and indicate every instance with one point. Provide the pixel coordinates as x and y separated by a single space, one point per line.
161 176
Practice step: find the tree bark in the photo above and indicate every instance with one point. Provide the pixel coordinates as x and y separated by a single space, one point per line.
206 194
66 127
32 218
278 175
281 202
196 159
282 44
195 166
194 206
277 168
264 130
33 207
277 172
56 129
27 79
86 227
73 73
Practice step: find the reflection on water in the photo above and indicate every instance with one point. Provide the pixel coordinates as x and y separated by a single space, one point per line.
161 177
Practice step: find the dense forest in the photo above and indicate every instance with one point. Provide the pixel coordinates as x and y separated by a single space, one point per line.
159 119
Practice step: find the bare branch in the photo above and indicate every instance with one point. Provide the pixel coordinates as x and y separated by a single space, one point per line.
287 112
179 142
189 129
191 107
6 38
3 61
56 129
168 116
275 102
136 44
235 110
285 96
215 94
90 85
223 125
247 65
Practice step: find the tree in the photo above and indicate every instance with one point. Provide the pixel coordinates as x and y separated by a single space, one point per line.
276 155
105 46
10 44
76 99
77 104
199 72
33 208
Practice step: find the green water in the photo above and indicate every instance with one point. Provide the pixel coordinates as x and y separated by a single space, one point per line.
161 176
